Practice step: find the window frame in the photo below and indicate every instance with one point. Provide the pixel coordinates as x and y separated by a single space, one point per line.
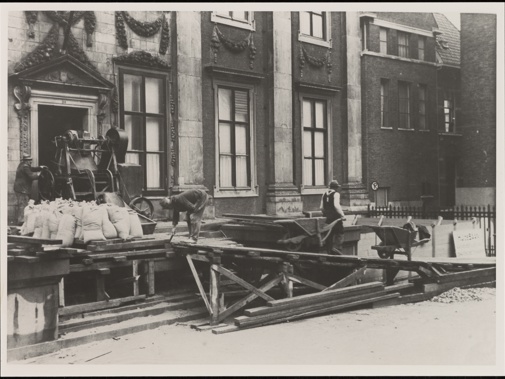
163 153
252 189
220 18
381 42
452 112
409 100
328 165
422 88
385 100
385 191
406 46
423 49
326 41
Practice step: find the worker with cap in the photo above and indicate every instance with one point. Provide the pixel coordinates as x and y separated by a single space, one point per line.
193 202
25 175
330 206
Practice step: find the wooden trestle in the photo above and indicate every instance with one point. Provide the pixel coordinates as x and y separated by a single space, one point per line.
280 272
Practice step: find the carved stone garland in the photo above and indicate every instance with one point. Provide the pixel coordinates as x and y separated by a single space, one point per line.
219 38
142 58
315 62
22 107
103 101
143 29
31 19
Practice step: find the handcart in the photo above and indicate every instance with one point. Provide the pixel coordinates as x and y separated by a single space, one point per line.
86 168
396 240
309 233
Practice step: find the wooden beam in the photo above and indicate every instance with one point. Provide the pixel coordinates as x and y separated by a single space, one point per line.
307 282
199 284
90 307
242 282
214 293
127 245
33 241
135 274
241 303
349 279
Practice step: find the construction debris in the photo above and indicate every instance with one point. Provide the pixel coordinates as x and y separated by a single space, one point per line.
458 295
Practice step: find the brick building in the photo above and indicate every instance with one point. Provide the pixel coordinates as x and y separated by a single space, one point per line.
260 109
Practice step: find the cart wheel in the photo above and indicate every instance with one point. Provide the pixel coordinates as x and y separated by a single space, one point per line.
46 185
143 206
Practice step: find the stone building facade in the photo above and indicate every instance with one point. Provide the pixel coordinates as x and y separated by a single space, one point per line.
260 109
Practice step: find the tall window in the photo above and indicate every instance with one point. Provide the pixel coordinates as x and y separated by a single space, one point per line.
143 117
385 103
233 113
420 47
404 105
381 197
449 113
422 107
313 24
403 44
239 19
383 40
315 141
235 15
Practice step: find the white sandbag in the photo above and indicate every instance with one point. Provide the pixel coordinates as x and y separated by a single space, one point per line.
77 213
39 222
135 225
92 220
108 229
53 222
121 220
45 234
66 230
29 216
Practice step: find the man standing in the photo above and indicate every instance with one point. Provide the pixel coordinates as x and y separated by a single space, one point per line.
25 174
330 206
192 202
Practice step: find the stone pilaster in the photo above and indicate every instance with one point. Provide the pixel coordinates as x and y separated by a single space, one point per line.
282 195
354 193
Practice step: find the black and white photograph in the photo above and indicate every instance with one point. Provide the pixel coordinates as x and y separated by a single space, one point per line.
216 189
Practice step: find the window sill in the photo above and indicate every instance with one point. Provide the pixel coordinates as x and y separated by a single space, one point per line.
407 130
313 40
395 57
238 24
313 190
450 134
424 130
225 193
386 128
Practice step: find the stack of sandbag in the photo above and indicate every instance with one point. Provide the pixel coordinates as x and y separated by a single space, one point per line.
70 220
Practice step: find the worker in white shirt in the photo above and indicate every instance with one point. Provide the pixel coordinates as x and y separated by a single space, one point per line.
330 206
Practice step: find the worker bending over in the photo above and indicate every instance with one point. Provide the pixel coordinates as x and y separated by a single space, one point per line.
330 206
192 202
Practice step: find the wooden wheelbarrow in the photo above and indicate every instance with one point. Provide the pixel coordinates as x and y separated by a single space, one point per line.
311 233
395 240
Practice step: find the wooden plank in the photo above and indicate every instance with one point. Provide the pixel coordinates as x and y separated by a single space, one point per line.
299 313
127 245
241 303
214 293
198 283
307 282
135 274
33 241
202 328
26 259
398 287
197 257
226 329
90 307
61 292
150 278
242 282
349 279
127 253
322 296
483 272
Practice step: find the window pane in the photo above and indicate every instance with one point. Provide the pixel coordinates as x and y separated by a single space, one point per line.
154 95
307 172
319 115
132 85
241 108
422 93
153 171
307 118
225 171
224 96
224 138
239 15
153 134
240 139
132 158
307 144
319 172
241 166
133 126
305 23
319 145
317 26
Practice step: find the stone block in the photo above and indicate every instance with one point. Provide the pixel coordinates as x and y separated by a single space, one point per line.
190 98
191 159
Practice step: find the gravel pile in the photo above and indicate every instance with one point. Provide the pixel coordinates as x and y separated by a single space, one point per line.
458 295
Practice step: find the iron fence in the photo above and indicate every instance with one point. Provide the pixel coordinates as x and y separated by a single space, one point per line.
485 216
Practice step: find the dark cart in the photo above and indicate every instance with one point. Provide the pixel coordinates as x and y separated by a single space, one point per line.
395 240
85 168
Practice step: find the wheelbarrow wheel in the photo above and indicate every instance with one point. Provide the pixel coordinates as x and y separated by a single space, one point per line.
143 206
46 185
